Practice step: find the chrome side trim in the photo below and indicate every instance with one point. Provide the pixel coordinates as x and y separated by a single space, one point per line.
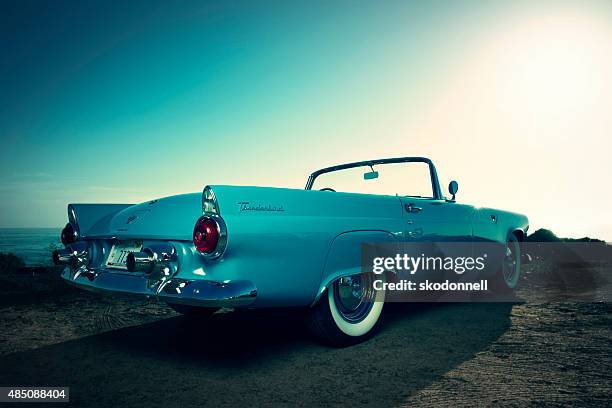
194 292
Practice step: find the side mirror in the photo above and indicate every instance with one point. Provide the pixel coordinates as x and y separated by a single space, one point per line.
453 187
370 175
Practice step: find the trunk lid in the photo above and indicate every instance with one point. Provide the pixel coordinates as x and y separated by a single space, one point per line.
170 218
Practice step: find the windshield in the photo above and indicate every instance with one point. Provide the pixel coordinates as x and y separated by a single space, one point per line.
403 179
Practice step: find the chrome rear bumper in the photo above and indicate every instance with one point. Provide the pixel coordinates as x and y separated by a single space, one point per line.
196 292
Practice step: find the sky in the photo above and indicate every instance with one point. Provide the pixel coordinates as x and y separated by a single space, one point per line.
149 99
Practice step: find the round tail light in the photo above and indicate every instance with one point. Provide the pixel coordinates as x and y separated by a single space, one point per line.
69 234
210 236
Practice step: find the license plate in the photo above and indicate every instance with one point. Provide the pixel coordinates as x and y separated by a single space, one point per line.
117 258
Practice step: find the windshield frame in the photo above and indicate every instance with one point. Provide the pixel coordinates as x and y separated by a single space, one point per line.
435 185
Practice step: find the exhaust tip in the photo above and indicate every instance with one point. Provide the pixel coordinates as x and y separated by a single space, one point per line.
131 262
150 259
140 262
63 257
55 257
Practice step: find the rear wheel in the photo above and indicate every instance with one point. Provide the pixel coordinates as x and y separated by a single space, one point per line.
349 312
193 311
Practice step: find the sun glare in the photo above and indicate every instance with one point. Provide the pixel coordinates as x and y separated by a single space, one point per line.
555 67
531 97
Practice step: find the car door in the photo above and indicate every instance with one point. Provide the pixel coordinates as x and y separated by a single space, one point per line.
437 220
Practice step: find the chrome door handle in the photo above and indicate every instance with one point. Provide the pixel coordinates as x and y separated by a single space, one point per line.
416 233
411 208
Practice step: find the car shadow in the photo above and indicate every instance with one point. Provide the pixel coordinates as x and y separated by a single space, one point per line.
261 357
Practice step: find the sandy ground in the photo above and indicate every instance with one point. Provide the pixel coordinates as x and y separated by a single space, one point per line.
112 351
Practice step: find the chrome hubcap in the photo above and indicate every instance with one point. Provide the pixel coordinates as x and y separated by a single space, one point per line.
510 264
353 296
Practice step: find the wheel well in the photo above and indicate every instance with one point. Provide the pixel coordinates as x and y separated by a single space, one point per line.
520 235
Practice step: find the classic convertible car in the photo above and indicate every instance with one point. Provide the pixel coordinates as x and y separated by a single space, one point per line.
259 247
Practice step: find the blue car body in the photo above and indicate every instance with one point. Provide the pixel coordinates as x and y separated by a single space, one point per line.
284 247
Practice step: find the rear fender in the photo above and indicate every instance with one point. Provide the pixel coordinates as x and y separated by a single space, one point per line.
344 256
93 217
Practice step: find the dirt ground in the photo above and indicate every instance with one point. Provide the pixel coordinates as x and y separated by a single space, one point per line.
111 351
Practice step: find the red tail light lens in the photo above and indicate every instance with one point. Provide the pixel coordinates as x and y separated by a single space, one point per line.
206 234
69 234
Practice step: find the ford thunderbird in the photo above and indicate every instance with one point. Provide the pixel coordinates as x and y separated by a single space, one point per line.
260 247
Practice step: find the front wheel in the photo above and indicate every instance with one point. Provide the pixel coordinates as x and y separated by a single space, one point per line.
507 278
348 313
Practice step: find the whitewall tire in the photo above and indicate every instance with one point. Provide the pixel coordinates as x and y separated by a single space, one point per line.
507 277
349 311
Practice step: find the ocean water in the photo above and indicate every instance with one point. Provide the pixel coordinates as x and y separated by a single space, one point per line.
33 245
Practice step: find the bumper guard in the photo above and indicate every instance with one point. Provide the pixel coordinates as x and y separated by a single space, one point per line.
194 292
